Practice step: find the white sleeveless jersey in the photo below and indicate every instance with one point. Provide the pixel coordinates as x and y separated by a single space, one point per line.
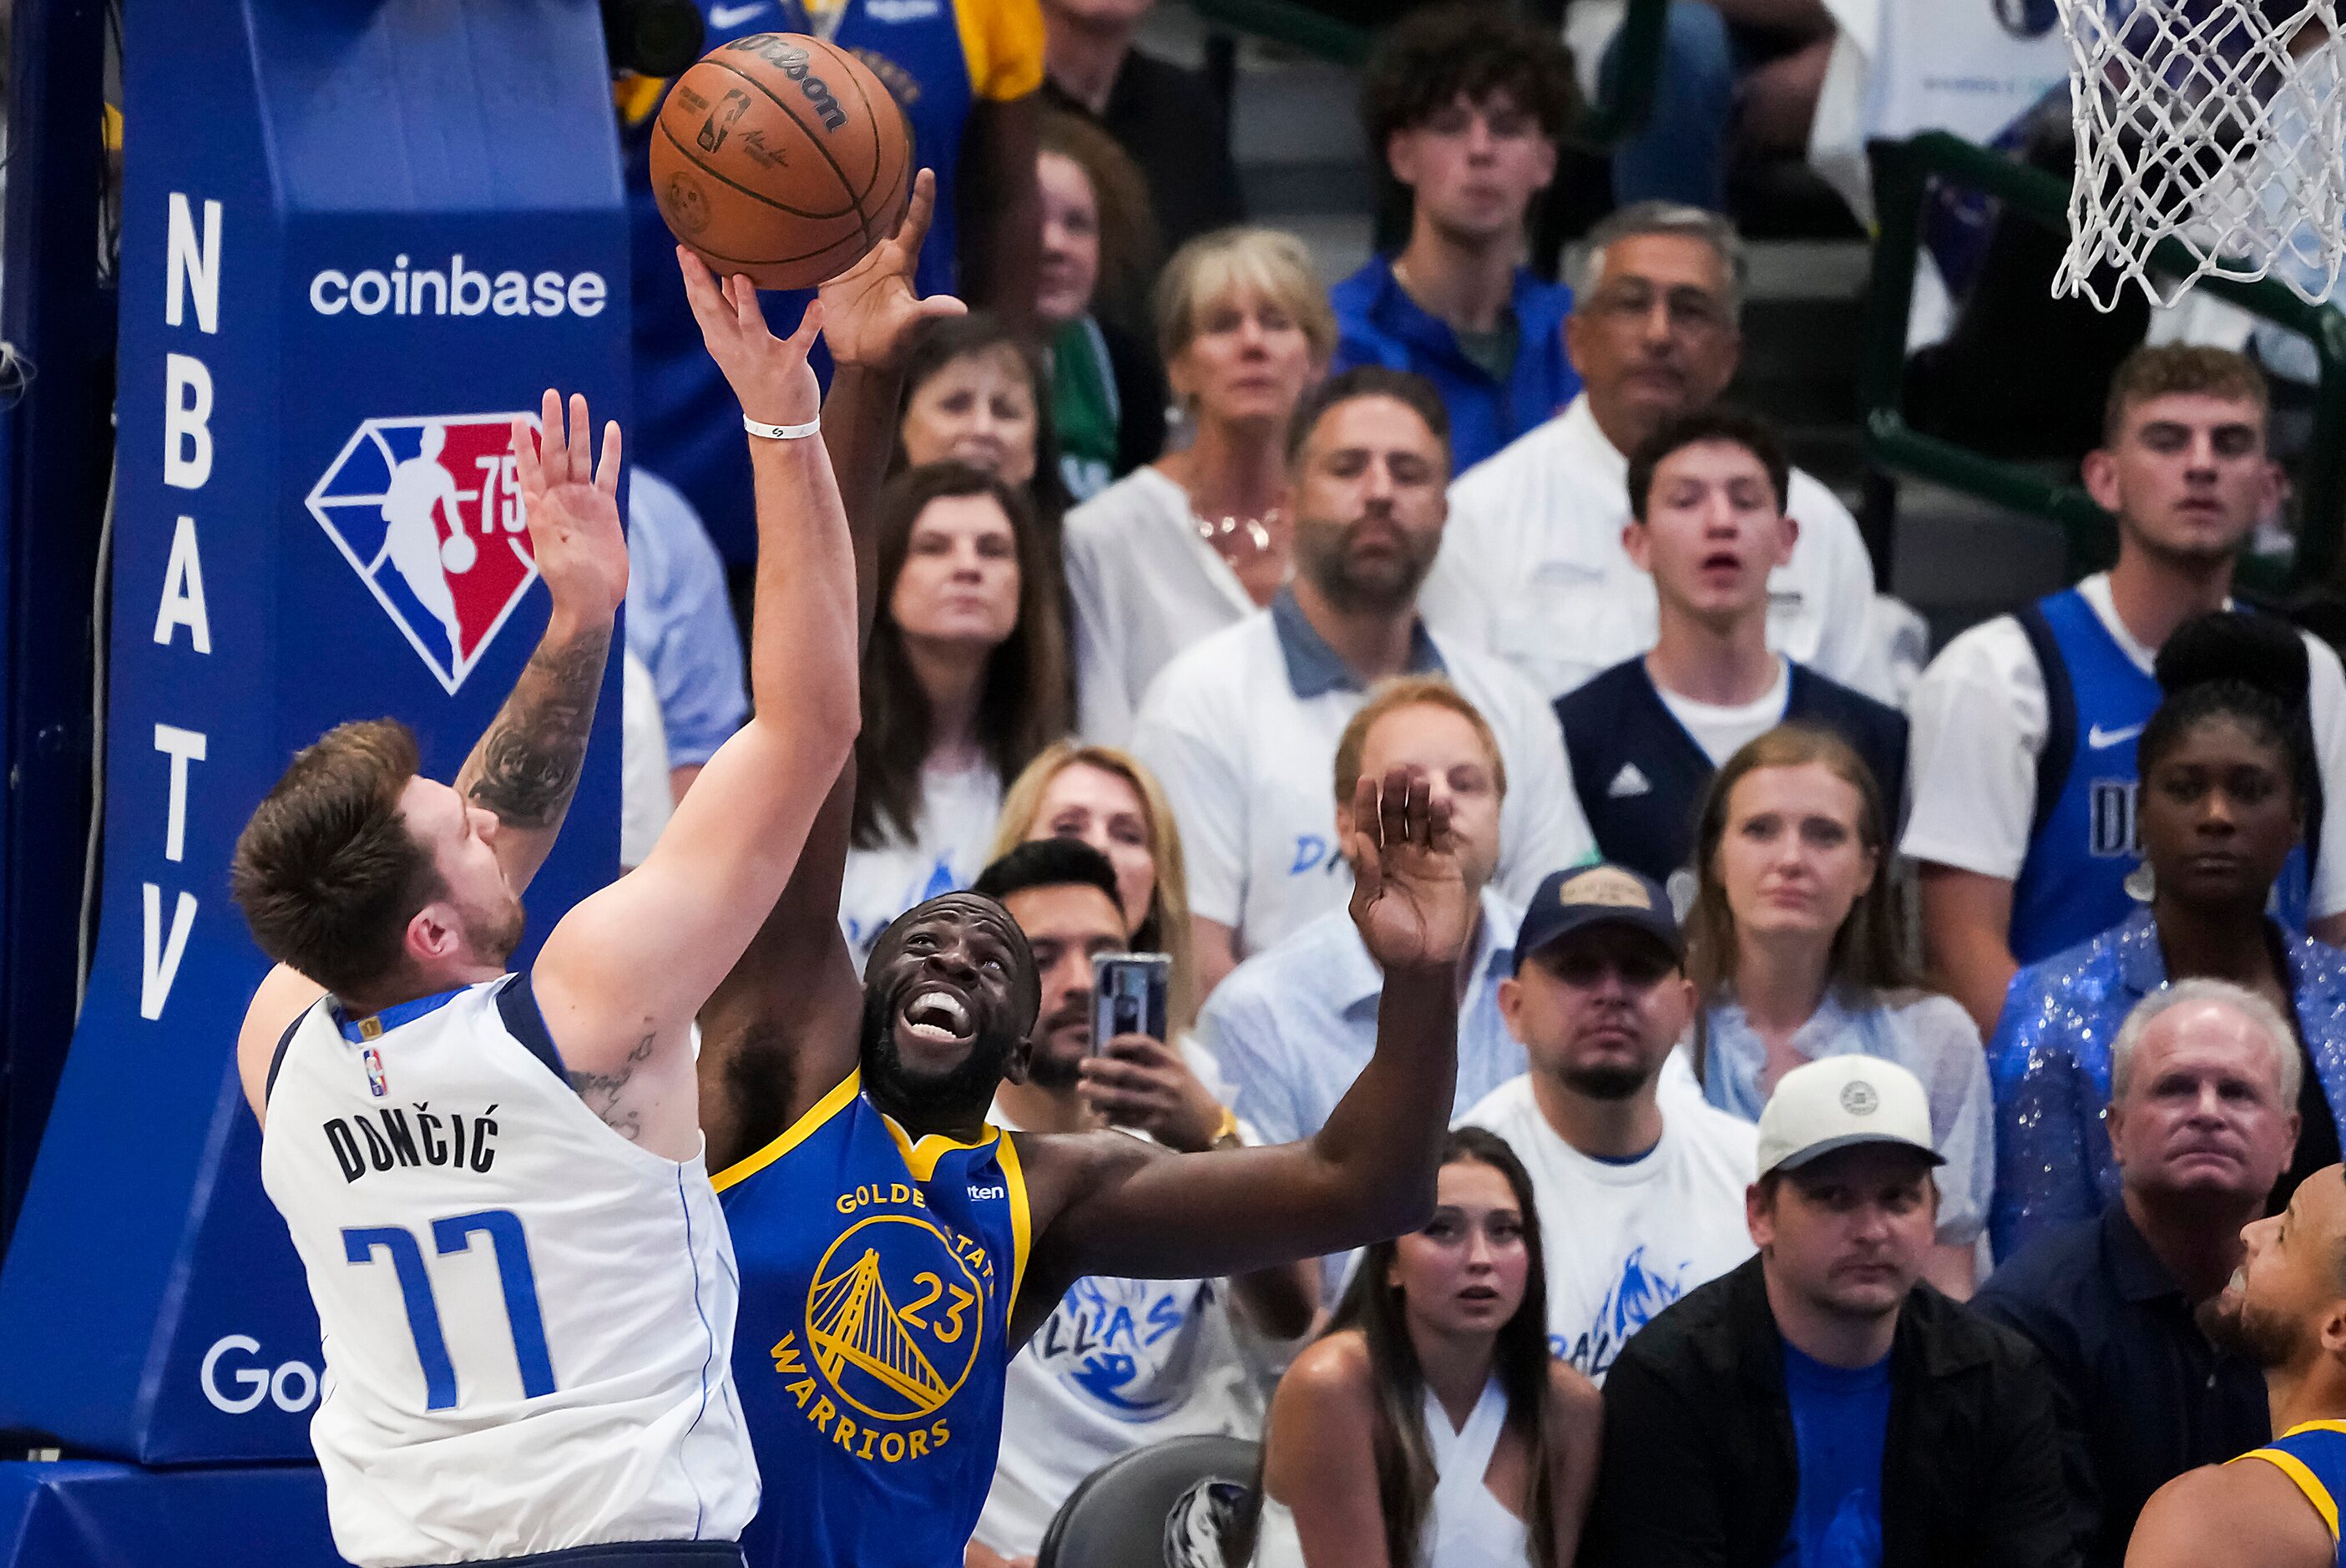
527 1319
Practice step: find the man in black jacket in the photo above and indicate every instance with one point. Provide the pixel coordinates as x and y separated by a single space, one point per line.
1819 1405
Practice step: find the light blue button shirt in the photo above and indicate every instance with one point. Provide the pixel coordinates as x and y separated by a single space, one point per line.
680 622
1926 1033
1294 1025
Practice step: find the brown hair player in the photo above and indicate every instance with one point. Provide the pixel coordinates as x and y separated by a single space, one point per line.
497 1181
2277 1506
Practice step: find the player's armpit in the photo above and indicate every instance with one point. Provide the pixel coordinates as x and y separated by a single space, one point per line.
283 996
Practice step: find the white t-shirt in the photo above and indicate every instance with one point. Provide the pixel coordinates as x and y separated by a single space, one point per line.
1251 770
1623 1241
1532 567
958 809
1721 732
1118 1365
1144 586
646 798
1980 723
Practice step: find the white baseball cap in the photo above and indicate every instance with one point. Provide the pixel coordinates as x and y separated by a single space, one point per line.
1840 1102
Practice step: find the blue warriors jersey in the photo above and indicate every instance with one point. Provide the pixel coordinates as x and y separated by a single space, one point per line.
2314 1456
2084 840
878 1275
941 58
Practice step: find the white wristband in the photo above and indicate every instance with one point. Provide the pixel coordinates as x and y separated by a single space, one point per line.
781 431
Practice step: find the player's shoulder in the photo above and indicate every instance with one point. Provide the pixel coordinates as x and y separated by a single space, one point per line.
2249 1511
278 1005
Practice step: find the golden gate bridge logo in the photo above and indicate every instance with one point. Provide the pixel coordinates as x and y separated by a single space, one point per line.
901 1354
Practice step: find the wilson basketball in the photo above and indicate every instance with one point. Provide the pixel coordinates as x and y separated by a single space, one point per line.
781 157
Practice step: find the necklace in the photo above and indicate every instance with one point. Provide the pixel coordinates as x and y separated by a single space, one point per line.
1235 536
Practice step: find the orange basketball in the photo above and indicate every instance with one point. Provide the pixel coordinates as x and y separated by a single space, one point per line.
782 158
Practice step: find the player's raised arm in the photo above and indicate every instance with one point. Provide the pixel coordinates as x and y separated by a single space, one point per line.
1127 1210
625 972
525 768
779 1030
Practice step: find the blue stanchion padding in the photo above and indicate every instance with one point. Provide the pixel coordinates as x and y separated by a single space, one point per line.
87 1514
358 237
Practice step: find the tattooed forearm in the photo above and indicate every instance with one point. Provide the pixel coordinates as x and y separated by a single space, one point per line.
526 766
601 1091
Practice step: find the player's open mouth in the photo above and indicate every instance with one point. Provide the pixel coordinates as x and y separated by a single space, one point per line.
937 1017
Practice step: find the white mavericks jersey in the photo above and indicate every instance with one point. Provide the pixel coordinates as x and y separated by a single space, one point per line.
527 1319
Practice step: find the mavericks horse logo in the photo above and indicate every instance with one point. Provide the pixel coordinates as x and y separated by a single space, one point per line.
894 1317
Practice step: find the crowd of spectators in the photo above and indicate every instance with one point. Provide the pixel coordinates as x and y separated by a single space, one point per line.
1812 990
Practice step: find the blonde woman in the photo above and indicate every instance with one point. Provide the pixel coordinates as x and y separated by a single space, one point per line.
1186 546
1111 802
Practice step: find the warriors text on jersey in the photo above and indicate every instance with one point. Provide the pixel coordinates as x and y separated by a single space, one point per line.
527 1318
878 1277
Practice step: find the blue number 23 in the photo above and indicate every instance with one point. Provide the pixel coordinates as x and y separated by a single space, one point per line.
454 1234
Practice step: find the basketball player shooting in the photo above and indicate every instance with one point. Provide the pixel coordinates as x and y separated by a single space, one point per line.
895 1249
495 1180
2274 1507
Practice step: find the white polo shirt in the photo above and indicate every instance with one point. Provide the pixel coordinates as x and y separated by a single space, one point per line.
1533 569
1143 586
1241 731
1979 727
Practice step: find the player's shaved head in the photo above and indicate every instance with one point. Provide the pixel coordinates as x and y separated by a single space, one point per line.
950 996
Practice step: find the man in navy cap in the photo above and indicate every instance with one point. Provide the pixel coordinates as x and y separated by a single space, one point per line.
1642 1186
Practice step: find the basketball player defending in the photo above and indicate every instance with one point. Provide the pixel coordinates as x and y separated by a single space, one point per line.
2273 1507
895 1249
495 1180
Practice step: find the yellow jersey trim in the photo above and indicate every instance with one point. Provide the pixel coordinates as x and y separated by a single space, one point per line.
1022 1218
1002 42
921 1158
2315 1427
824 1109
2290 1465
637 96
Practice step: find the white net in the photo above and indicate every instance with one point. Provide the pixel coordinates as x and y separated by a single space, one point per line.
2216 123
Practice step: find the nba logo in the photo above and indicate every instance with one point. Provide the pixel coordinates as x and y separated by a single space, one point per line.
428 512
377 1085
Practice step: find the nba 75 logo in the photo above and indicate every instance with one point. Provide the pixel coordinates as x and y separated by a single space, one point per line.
428 512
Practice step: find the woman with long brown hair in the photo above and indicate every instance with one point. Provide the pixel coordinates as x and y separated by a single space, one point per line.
1795 951
1431 1427
964 680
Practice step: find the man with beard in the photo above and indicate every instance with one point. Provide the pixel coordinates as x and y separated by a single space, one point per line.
1648 1199
896 1250
1120 1363
2277 1506
495 1180
2024 727
1241 729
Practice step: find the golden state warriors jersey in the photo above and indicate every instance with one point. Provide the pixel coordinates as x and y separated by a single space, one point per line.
878 1275
2314 1456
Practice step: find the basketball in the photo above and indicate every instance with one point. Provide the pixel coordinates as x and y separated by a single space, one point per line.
780 157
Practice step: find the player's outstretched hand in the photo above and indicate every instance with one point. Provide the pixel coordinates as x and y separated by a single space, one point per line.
769 375
572 503
871 313
1409 898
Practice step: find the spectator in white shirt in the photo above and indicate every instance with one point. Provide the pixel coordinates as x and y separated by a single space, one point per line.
1533 567
964 681
1119 1363
1186 546
2023 770
1242 728
1647 1199
1106 798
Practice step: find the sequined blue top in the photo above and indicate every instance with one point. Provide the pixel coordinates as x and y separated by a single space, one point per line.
2049 1067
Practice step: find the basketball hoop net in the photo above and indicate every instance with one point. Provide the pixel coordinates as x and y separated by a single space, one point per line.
2216 122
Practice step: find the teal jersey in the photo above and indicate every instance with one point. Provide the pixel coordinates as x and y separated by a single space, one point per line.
878 1277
